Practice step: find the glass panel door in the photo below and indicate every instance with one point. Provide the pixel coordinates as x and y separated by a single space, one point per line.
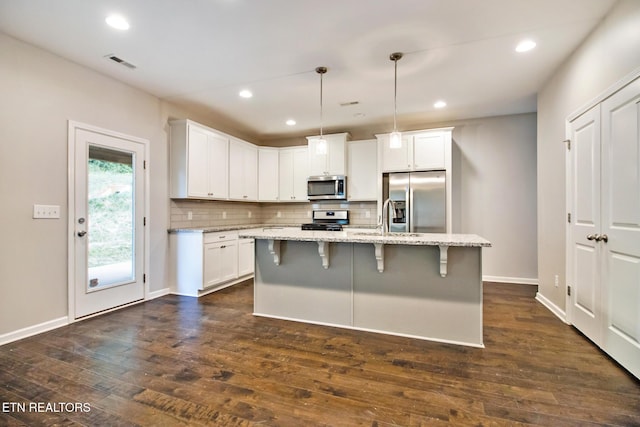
110 217
109 221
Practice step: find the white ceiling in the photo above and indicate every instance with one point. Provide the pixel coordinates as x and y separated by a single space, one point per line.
203 52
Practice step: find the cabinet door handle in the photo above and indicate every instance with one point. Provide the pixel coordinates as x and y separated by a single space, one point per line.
592 237
223 246
602 237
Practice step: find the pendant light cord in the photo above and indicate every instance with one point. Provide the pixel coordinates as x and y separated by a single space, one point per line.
395 93
321 71
321 105
395 57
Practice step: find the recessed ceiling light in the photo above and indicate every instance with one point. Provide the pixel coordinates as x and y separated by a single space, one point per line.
245 93
440 104
118 22
291 122
525 46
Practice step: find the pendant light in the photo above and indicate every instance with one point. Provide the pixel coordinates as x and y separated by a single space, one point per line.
321 143
395 138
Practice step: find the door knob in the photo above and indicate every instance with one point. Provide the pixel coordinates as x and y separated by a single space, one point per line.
592 237
602 237
81 233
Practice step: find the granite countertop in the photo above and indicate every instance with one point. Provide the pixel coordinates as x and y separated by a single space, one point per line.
216 228
355 236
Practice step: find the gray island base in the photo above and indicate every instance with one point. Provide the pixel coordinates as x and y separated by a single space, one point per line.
335 279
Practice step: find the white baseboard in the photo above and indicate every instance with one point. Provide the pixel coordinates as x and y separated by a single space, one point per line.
518 280
33 330
158 294
560 313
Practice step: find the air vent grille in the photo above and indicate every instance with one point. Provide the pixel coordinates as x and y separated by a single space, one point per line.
120 61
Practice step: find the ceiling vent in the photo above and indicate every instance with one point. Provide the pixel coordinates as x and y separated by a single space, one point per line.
120 61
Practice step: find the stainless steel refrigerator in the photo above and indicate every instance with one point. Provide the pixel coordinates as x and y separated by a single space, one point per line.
419 199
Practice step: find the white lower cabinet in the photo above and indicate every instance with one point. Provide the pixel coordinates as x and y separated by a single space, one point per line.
205 262
246 256
220 253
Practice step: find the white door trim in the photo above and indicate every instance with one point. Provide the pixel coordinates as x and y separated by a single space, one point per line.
71 146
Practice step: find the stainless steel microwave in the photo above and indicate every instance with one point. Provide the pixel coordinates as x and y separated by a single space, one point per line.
327 187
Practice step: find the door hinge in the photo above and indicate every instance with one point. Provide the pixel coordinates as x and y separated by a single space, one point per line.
144 278
568 290
568 142
569 217
144 221
144 164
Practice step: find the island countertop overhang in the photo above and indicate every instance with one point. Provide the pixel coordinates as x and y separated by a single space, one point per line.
355 236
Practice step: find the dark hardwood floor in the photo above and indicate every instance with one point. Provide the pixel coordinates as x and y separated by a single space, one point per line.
208 361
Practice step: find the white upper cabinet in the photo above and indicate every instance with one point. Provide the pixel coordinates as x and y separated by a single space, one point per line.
268 174
429 151
362 166
395 159
293 174
243 171
333 161
420 150
199 162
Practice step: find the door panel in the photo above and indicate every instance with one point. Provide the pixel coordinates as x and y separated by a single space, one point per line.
583 309
198 163
621 224
108 229
428 202
585 295
428 152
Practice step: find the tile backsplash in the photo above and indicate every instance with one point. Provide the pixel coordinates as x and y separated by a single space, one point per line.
205 213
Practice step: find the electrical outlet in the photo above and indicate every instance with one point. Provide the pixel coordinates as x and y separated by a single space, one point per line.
46 211
367 214
308 214
557 281
189 215
279 214
224 214
248 214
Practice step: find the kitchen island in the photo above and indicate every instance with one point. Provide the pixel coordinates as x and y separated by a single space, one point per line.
426 286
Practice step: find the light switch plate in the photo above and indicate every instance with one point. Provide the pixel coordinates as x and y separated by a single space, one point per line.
46 211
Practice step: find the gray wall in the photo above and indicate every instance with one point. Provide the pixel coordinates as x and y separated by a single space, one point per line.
40 93
497 190
609 53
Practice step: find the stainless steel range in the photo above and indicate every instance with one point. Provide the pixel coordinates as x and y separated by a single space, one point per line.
328 220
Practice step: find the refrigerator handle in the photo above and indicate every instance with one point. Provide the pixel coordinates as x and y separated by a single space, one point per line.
409 209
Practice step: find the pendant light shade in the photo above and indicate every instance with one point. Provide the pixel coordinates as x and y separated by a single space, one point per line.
321 143
395 138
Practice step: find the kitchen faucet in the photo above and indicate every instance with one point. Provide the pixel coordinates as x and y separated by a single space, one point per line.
385 214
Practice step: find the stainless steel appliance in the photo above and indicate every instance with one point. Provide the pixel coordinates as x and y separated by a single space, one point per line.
418 201
328 220
327 187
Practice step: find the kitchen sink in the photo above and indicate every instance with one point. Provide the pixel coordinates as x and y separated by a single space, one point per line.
378 233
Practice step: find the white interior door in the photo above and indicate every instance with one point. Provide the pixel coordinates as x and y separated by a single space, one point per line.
621 225
108 191
584 253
